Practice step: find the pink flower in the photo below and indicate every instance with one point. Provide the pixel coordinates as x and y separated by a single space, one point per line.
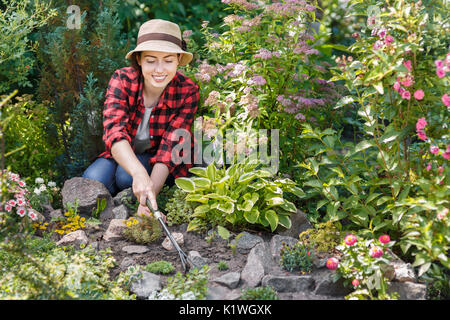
350 239
439 64
355 283
8 207
434 149
407 81
397 86
375 252
384 239
421 124
441 170
259 80
332 263
12 203
21 211
388 40
20 202
407 64
32 215
382 33
419 94
443 214
446 154
406 95
428 166
308 253
440 73
446 100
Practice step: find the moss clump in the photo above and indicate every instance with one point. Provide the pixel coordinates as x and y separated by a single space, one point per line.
178 209
160 267
259 293
323 238
142 231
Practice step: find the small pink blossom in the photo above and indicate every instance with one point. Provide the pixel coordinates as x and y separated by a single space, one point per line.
21 211
388 40
332 263
421 124
434 149
397 86
440 170
443 214
382 33
384 239
355 283
406 95
407 64
12 203
439 64
446 154
440 73
32 215
428 166
350 239
419 94
446 100
375 252
8 207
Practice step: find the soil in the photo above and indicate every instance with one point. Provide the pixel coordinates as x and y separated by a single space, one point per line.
214 251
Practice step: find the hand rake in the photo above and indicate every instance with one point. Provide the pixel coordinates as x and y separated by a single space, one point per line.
183 256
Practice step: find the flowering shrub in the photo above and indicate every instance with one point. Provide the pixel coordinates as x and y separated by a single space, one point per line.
361 265
16 213
296 257
44 193
265 68
394 178
143 230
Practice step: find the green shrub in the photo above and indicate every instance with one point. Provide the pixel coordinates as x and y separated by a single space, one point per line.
243 194
178 210
192 286
143 230
297 257
324 237
160 267
259 293
38 269
222 265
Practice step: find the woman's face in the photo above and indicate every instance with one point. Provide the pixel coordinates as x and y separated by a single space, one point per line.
158 68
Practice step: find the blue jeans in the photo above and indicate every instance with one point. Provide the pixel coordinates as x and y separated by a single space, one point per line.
114 177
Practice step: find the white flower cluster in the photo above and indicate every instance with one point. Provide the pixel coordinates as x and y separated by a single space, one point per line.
43 187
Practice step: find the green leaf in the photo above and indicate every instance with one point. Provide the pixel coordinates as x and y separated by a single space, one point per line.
344 101
199 171
363 145
185 184
223 232
288 206
313 183
272 218
379 87
246 206
251 216
201 182
285 221
227 207
200 210
211 171
275 201
424 268
247 177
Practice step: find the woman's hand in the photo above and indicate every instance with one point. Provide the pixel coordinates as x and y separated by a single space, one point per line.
143 188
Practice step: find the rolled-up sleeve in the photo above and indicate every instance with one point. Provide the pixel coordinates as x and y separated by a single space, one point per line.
115 113
183 120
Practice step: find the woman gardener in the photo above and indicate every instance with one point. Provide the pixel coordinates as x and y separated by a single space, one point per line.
145 106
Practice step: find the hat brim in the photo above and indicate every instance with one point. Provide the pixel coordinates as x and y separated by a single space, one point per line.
162 46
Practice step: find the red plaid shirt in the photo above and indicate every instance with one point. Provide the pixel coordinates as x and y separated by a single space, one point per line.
124 109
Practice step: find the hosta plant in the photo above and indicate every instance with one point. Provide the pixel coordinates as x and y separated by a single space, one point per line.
244 194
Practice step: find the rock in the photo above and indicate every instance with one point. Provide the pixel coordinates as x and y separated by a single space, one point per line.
276 243
305 295
326 286
125 193
299 223
77 238
289 283
253 271
247 241
135 249
120 212
408 290
148 283
126 262
230 279
167 244
398 270
56 214
114 229
197 259
87 192
217 292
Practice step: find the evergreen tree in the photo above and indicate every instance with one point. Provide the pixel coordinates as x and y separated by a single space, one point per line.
76 65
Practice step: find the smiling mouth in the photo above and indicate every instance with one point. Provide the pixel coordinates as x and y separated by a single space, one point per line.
159 78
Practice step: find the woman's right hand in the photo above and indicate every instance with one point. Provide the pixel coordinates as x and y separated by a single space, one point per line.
143 188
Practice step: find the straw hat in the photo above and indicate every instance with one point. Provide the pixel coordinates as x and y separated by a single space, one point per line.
161 35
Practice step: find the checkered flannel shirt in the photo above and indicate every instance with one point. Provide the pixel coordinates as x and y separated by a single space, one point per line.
124 109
